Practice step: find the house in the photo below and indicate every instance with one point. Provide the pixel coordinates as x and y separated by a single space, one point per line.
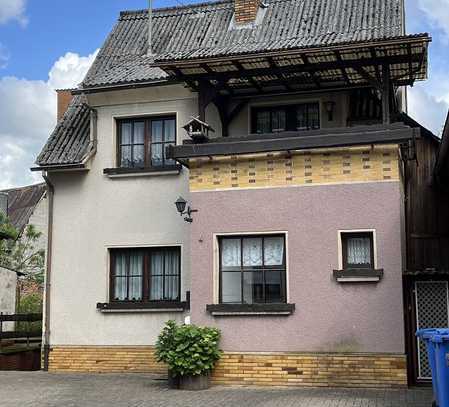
426 275
23 206
292 238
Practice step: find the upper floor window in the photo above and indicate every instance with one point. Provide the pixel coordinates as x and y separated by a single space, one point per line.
147 274
142 142
252 269
275 119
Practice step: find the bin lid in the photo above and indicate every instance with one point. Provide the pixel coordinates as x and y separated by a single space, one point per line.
440 336
426 333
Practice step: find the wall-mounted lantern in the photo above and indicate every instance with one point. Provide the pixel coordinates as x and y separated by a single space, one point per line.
330 107
181 204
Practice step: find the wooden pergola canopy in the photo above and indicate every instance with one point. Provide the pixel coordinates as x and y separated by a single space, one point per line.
354 65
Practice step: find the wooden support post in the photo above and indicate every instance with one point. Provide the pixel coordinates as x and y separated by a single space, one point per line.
206 95
386 94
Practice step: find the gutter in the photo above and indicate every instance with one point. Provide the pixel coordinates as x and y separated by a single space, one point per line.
46 338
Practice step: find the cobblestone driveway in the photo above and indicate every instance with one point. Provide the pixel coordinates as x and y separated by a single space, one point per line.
39 389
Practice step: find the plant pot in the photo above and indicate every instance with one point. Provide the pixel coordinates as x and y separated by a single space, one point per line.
172 380
201 382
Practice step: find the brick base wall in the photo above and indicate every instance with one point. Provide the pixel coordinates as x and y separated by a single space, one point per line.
249 369
316 370
104 359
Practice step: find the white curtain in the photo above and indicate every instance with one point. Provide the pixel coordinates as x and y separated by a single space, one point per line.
359 250
230 253
274 251
171 275
252 252
120 277
135 276
157 276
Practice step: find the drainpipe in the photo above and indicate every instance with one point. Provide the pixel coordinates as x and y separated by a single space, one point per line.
50 191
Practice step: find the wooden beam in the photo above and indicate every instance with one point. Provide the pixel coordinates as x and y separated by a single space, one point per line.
343 70
240 67
206 94
369 78
386 88
312 74
278 73
312 67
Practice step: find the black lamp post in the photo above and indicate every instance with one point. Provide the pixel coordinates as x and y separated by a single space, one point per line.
181 204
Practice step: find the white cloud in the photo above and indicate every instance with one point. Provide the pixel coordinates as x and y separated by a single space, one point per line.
69 70
4 56
13 10
427 109
28 115
437 12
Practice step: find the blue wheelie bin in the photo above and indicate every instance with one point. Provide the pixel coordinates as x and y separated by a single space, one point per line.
426 335
440 340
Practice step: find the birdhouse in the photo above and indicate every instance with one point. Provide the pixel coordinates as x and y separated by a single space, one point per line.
198 130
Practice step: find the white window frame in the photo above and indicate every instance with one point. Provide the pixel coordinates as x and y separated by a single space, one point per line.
340 244
216 259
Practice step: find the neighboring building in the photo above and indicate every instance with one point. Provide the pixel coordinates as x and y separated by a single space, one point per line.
426 276
23 206
298 246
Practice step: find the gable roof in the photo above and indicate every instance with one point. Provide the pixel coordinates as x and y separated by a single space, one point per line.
206 30
22 202
69 142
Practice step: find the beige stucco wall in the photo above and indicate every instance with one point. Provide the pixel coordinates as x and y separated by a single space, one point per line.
93 212
8 285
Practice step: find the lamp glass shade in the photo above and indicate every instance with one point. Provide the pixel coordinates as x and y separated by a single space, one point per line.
181 204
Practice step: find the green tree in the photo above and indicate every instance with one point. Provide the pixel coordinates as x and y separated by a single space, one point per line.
19 253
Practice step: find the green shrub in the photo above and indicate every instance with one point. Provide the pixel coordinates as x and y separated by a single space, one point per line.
188 350
30 304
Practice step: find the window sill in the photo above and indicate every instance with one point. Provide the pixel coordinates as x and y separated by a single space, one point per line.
223 310
162 306
358 275
142 172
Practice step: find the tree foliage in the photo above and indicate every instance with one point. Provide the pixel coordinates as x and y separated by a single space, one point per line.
19 252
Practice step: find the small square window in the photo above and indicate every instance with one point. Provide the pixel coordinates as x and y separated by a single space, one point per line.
357 250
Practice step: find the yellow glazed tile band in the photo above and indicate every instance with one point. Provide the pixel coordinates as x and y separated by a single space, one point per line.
314 167
251 369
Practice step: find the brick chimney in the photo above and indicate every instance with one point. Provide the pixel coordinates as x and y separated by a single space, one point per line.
64 98
246 11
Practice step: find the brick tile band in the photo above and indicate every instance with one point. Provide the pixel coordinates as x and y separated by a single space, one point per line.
315 370
256 369
104 359
315 167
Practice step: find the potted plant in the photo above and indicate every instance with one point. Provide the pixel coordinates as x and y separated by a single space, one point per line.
190 352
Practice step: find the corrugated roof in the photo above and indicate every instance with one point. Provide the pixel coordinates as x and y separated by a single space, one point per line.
22 202
69 142
206 30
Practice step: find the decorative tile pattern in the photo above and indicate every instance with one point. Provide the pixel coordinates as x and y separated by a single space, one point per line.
104 359
343 165
312 370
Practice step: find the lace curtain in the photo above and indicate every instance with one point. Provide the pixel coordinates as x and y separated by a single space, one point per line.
359 250
272 254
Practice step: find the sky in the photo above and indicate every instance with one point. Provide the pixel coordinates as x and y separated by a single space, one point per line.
49 44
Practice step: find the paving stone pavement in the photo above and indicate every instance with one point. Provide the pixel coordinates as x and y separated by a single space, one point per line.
39 389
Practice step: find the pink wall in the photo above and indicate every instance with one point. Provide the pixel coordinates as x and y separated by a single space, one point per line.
329 316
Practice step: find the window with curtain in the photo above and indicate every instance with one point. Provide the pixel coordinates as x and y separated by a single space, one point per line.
142 142
275 119
151 274
252 269
358 250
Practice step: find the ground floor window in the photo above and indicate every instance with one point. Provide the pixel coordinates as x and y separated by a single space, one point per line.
145 274
252 269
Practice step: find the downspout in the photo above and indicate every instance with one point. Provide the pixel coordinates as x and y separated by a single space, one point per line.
46 344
